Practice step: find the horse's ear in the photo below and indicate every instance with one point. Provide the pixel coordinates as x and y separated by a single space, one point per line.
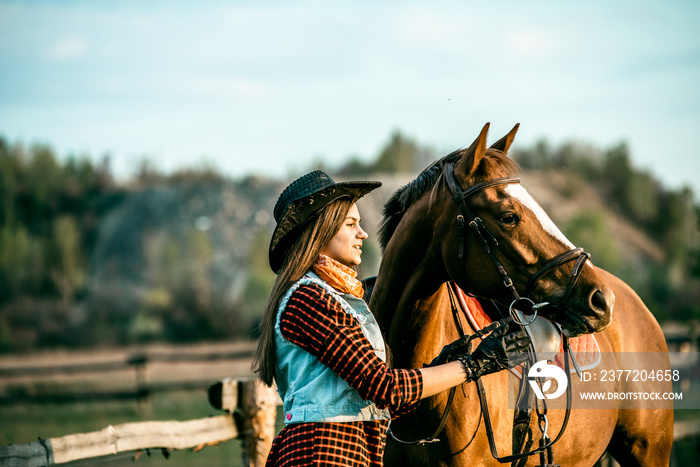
504 143
471 158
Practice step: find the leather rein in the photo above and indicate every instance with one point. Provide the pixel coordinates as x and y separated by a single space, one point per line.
489 242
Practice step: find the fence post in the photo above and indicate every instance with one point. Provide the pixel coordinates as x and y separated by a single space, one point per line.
258 410
140 363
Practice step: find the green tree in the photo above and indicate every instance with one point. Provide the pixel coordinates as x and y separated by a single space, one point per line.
258 283
642 197
681 236
198 257
402 155
590 230
45 190
21 263
617 172
537 157
65 261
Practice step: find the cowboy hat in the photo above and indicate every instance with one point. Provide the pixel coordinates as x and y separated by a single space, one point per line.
300 201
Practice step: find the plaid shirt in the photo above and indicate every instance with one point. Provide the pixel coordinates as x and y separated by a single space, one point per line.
315 321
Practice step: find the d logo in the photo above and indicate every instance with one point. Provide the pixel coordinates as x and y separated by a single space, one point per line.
546 372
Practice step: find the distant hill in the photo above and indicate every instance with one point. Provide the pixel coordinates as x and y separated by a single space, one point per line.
180 259
165 252
86 261
553 192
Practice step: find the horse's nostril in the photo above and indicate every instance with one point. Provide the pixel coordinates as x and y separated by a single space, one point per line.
602 301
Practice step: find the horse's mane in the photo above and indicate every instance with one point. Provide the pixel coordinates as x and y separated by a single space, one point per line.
404 197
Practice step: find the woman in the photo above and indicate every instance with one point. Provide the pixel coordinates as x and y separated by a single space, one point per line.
322 346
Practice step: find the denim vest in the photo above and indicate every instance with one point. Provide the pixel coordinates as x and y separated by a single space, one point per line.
313 392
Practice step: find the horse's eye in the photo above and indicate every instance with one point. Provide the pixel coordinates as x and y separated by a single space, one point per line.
509 218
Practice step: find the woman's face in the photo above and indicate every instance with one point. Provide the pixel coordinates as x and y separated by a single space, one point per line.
346 245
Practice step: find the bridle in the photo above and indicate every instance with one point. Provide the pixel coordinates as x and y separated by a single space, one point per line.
466 217
519 304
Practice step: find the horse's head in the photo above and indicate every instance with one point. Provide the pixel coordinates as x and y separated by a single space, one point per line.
474 223
468 219
495 233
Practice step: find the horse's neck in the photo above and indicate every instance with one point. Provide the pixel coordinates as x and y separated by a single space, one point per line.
407 274
410 299
427 329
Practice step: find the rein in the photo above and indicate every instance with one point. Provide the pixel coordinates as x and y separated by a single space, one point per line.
450 398
489 242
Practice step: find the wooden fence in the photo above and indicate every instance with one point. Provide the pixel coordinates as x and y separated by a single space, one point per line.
138 362
251 413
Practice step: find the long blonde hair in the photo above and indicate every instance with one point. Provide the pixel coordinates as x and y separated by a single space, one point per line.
302 254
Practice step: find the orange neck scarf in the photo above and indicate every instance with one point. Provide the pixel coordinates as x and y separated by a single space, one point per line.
338 276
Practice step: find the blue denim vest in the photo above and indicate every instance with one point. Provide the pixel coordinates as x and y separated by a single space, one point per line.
311 391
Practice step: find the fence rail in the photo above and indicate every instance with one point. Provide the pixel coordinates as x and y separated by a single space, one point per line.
134 360
140 393
250 406
139 362
253 403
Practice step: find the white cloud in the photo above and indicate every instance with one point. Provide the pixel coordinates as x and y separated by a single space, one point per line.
529 43
428 28
228 87
310 70
68 48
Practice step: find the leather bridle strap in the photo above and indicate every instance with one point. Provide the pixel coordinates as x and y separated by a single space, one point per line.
489 427
489 242
460 195
451 396
475 223
434 437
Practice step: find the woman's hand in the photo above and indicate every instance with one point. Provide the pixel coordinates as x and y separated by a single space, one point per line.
498 351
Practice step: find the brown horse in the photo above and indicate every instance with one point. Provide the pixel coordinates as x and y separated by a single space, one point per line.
426 245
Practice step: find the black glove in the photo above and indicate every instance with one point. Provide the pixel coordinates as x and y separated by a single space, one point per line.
498 351
450 352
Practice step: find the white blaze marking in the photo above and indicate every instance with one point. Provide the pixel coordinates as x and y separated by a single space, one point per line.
520 193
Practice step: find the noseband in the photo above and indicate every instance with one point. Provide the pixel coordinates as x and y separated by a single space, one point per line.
490 244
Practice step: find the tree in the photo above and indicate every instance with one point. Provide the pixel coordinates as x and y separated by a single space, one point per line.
590 230
537 157
21 263
402 155
66 265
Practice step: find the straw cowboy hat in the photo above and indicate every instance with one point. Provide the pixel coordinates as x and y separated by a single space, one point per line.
300 201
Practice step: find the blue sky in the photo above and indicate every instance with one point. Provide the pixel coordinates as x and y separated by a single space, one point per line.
269 86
